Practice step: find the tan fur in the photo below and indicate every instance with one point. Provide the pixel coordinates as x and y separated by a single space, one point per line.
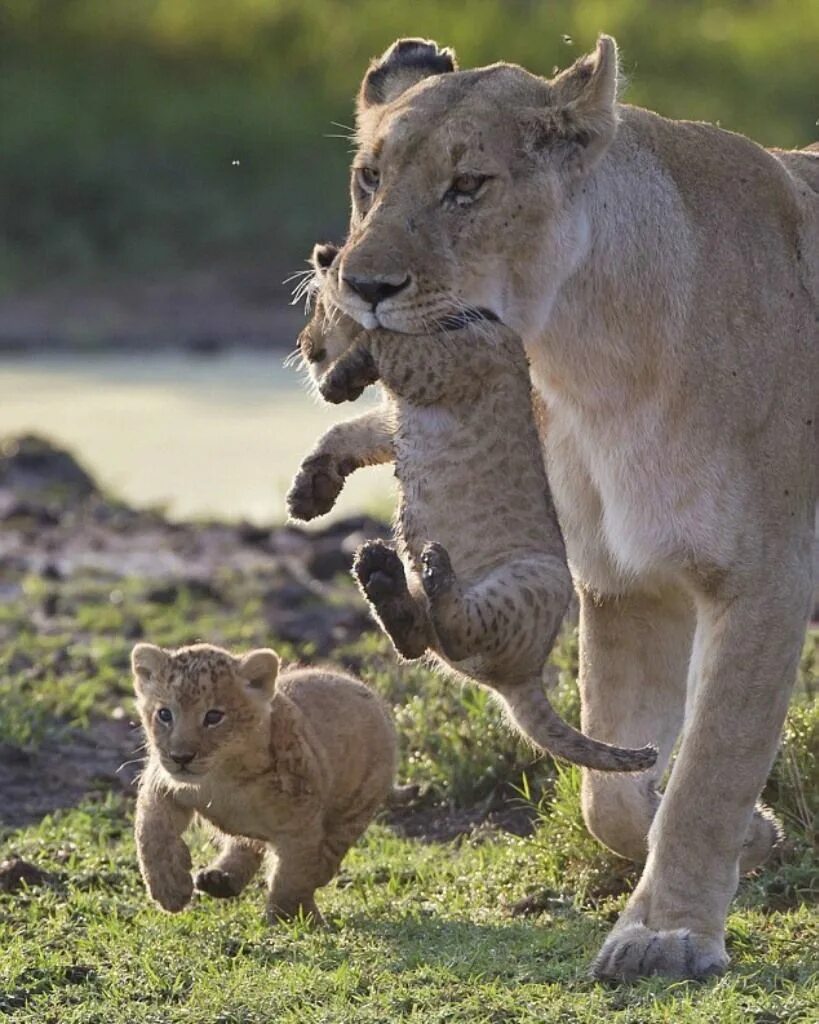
665 279
488 582
296 769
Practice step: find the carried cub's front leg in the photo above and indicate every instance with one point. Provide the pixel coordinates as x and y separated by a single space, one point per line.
380 574
346 447
349 375
164 859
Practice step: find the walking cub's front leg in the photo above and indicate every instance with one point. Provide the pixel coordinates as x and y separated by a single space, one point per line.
346 447
164 859
381 577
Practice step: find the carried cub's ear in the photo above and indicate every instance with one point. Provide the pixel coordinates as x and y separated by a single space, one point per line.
582 108
147 662
322 257
260 669
406 62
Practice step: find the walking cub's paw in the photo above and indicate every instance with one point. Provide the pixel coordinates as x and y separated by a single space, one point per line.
636 951
216 883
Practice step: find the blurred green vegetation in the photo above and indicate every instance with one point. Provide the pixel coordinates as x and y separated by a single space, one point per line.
158 134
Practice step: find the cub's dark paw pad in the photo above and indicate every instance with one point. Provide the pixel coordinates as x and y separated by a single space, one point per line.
436 570
216 883
379 570
314 491
351 374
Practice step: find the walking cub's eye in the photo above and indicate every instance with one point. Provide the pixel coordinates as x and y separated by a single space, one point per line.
165 715
213 717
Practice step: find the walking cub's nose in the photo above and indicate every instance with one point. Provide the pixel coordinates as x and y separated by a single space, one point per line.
182 759
376 289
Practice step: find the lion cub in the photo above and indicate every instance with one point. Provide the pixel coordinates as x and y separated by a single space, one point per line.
488 582
292 765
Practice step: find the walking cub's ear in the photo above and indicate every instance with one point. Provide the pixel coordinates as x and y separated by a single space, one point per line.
406 62
259 669
148 664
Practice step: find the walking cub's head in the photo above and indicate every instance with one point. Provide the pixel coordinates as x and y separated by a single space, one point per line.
198 704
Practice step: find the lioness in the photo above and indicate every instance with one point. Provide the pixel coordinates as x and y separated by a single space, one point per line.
488 583
293 765
665 279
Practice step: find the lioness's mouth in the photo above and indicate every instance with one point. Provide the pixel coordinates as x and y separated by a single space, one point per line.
456 321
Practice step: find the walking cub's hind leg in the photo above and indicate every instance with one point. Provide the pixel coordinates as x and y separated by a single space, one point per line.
380 574
229 874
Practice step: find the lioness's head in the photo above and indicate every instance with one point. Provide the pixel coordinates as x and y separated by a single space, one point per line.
199 703
466 186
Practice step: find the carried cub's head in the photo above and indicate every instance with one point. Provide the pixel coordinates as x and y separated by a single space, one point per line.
199 703
329 332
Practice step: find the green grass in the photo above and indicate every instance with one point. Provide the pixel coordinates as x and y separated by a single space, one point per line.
420 932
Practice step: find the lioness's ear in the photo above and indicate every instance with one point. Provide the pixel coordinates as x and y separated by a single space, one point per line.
582 107
147 663
322 256
406 62
260 669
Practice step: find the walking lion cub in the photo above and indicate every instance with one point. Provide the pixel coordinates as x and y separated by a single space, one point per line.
293 766
488 583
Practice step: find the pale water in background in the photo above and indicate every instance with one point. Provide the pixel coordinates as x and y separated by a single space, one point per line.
218 435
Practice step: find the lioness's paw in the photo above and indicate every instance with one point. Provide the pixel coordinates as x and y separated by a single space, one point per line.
380 571
172 893
315 488
217 883
347 379
635 951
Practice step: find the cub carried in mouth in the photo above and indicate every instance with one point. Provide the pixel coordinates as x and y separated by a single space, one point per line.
488 584
291 766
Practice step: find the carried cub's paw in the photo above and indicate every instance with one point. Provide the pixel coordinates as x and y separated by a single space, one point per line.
315 488
436 570
347 379
636 951
380 571
216 883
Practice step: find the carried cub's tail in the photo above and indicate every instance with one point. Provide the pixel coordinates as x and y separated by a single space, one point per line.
534 716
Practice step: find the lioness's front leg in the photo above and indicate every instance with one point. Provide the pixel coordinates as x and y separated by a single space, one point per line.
164 859
346 447
746 649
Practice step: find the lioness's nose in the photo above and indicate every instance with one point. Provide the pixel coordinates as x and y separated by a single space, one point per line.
182 759
376 289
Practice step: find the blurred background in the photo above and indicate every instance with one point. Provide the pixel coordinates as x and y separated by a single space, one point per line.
166 164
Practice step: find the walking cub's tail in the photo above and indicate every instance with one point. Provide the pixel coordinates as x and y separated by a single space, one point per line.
534 716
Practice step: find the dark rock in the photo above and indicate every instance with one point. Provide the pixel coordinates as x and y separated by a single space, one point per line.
31 464
250 533
167 593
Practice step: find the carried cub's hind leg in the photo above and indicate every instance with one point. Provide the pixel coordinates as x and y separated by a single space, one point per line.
511 615
229 874
380 574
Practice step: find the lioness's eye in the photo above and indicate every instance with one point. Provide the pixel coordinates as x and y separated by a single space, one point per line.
465 187
368 178
164 715
213 717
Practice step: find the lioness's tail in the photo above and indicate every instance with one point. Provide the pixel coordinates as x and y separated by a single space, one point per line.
531 712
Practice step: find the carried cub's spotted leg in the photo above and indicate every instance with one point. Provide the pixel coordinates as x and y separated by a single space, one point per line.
512 612
229 874
380 574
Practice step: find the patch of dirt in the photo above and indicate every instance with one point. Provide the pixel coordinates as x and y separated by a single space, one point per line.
60 773
441 824
16 872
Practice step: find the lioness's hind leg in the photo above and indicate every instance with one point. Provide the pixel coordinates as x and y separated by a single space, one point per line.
229 874
380 574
